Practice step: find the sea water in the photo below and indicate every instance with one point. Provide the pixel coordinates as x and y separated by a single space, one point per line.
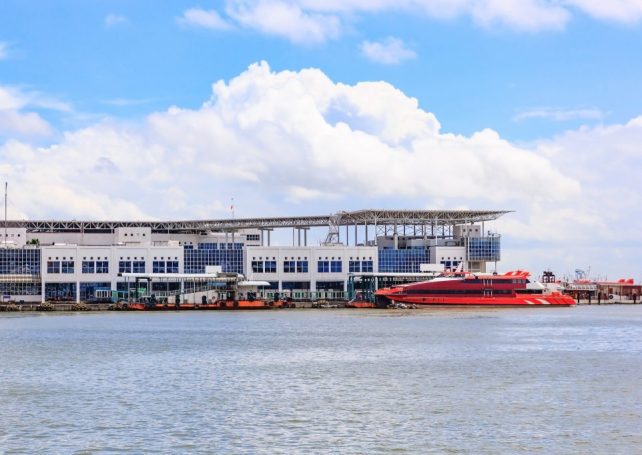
525 380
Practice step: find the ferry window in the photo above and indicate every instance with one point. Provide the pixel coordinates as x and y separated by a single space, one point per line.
302 266
158 266
335 266
138 267
366 266
67 266
354 267
124 267
289 267
172 266
53 267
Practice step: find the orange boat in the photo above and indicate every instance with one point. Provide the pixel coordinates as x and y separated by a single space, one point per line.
360 304
468 289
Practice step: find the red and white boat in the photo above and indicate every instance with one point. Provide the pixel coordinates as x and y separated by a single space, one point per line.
474 289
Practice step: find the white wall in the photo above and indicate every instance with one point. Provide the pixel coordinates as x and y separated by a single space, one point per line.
312 255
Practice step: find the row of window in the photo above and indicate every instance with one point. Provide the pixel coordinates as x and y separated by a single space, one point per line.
329 266
60 266
95 267
303 266
19 261
165 267
131 266
359 266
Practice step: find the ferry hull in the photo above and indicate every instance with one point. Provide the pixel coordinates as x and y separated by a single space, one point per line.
539 300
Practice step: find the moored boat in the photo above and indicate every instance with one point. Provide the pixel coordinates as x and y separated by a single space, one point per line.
475 289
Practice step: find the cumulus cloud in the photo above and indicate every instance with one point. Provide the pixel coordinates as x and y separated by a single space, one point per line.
297 142
329 140
198 17
389 51
559 114
15 120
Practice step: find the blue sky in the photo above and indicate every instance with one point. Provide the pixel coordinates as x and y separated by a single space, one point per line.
556 82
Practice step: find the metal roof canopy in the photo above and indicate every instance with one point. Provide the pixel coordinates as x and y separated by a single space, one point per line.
359 217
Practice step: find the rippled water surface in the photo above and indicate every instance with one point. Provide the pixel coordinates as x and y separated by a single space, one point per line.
532 380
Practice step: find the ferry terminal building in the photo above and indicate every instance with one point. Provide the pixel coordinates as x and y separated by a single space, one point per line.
71 260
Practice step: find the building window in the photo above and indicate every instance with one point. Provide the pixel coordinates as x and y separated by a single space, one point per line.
354 267
102 267
257 266
302 267
87 266
335 266
67 267
139 266
172 266
270 266
366 266
323 266
124 267
289 267
158 267
53 267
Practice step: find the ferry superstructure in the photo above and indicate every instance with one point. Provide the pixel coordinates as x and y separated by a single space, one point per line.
468 289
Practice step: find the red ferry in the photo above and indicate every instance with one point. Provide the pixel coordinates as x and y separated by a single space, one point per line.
474 289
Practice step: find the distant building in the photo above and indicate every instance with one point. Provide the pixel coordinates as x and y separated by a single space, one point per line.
71 260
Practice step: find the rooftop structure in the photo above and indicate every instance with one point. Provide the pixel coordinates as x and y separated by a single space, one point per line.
369 217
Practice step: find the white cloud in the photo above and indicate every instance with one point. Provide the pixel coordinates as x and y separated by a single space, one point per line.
560 114
286 19
112 20
328 141
389 51
23 124
316 21
624 11
14 121
297 142
198 17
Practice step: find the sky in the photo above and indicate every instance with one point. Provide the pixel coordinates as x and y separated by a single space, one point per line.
170 110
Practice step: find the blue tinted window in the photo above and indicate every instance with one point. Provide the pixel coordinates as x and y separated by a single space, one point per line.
67 266
88 267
